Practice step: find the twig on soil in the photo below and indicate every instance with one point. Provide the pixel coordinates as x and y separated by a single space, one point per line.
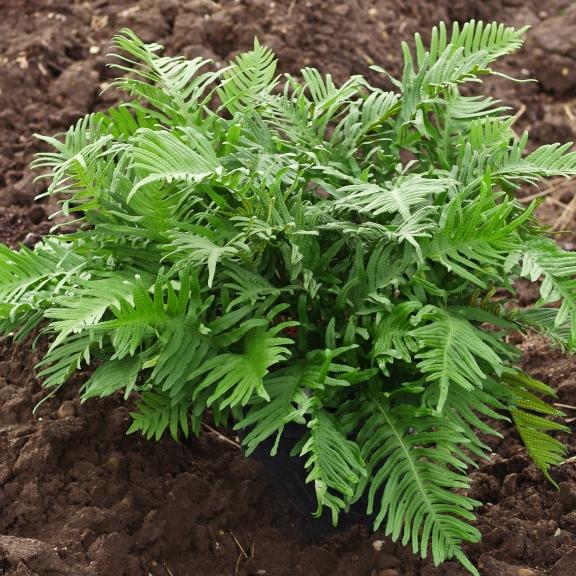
221 436
518 114
567 215
527 199
554 187
242 553
170 573
569 113
566 406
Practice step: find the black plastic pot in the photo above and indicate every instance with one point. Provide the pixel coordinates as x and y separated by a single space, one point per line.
287 475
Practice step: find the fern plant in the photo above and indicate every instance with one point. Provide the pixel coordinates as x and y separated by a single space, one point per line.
282 250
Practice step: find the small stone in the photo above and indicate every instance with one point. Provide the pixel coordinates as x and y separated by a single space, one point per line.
342 9
67 410
377 545
526 572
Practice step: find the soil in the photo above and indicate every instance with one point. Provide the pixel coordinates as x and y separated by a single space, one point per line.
79 497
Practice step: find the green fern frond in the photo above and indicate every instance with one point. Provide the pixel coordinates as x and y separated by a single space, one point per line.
156 414
43 269
529 413
160 156
111 377
233 379
476 239
399 196
251 76
452 352
61 362
82 307
334 464
288 402
173 85
543 258
544 322
393 339
415 457
468 54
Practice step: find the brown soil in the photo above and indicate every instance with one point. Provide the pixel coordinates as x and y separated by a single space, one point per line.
77 496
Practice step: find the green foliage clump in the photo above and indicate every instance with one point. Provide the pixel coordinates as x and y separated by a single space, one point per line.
282 250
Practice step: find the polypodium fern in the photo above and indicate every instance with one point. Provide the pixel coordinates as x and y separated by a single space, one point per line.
408 456
279 250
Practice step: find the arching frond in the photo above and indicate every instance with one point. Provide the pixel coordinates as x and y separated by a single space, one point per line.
161 156
173 85
334 464
399 196
233 379
251 76
452 352
476 239
557 268
415 467
531 416
26 272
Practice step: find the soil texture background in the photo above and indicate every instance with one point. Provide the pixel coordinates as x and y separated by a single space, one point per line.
80 498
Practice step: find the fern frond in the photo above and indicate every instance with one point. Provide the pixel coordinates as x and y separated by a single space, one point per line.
61 362
543 321
468 54
334 464
27 272
543 258
111 377
545 162
288 403
476 239
83 306
250 76
233 379
173 85
414 466
452 351
399 196
161 156
156 414
393 339
529 413
194 250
